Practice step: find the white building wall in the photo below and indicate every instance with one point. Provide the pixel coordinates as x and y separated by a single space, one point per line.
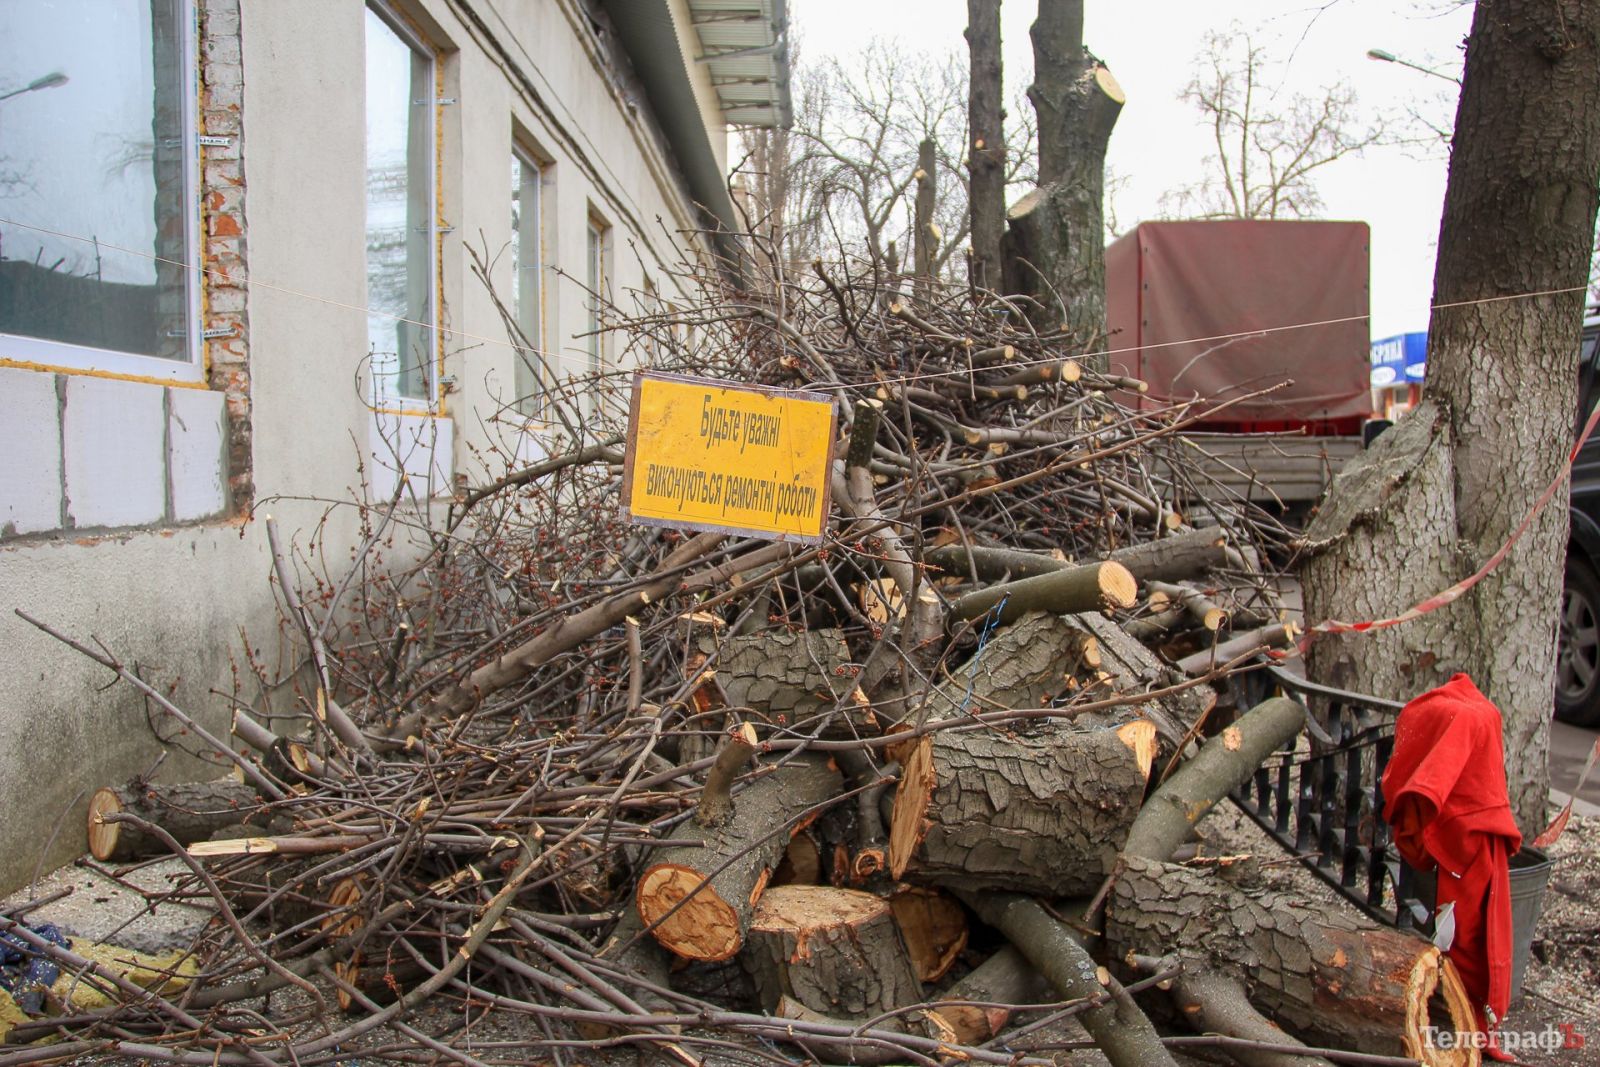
157 568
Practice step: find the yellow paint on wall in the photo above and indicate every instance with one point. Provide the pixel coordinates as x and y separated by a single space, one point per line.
85 372
709 455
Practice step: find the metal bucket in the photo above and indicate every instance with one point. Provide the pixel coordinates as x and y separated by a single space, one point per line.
1530 873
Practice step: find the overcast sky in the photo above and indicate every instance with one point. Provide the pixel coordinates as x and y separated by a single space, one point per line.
1159 144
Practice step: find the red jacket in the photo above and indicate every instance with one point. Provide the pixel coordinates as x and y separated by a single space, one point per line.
1445 797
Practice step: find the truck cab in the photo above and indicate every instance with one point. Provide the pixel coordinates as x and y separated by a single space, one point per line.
1577 695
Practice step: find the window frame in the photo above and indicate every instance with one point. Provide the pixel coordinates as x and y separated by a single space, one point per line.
533 404
597 274
409 35
64 357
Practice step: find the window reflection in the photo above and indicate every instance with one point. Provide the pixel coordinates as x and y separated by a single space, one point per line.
527 258
400 213
95 146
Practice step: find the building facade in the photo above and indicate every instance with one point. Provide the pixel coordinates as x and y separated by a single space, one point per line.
258 256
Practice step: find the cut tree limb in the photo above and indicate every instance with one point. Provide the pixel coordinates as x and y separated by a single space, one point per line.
1325 975
1040 813
189 811
1277 635
1182 555
1121 1030
1224 763
698 898
1092 587
1216 1005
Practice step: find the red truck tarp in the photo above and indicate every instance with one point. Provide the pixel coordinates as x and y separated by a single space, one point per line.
1186 304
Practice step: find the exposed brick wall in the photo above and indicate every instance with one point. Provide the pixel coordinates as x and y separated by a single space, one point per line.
222 214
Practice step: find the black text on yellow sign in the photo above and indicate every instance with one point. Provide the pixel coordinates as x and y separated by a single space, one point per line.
707 455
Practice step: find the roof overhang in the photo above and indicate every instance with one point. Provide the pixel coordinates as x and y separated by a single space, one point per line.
647 33
745 48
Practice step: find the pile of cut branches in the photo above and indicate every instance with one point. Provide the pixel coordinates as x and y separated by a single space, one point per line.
911 795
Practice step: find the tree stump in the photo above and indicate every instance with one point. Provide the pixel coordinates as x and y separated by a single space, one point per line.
189 811
836 951
718 881
1041 813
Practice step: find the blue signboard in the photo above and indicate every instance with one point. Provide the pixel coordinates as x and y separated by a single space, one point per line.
1399 360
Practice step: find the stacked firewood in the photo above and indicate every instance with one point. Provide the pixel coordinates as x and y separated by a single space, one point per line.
912 795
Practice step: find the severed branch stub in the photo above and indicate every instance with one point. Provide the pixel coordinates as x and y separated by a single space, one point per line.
716 803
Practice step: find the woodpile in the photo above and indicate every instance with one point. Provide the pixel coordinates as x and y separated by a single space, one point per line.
884 799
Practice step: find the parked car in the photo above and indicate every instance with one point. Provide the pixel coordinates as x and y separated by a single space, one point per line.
1578 649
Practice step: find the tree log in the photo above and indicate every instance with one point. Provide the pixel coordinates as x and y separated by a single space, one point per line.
1045 812
1324 975
1005 978
1021 666
787 677
1092 587
1198 605
836 951
719 880
189 811
1182 555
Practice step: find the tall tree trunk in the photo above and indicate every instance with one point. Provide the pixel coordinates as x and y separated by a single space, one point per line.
1055 249
1502 377
986 146
925 241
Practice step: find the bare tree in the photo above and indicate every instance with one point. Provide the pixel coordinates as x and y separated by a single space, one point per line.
1267 145
986 147
844 179
1054 249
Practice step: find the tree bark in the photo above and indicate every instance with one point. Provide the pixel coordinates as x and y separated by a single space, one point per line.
1054 250
836 951
786 677
720 878
1324 975
986 147
1043 812
925 239
1182 555
1092 587
1514 250
189 811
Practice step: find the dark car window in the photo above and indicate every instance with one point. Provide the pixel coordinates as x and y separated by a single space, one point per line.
1588 373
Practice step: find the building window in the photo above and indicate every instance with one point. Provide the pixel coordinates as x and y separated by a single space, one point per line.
400 209
527 290
98 169
597 261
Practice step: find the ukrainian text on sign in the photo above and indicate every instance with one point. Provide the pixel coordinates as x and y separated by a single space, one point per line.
708 455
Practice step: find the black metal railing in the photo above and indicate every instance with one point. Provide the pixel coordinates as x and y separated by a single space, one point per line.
1321 796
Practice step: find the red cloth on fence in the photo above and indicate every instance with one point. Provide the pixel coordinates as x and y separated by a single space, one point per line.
1445 797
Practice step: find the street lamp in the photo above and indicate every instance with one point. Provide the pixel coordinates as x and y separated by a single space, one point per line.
49 81
1390 57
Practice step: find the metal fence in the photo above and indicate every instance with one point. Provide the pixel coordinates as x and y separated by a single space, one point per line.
1321 796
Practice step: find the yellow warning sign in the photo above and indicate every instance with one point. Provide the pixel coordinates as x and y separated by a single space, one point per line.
707 455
